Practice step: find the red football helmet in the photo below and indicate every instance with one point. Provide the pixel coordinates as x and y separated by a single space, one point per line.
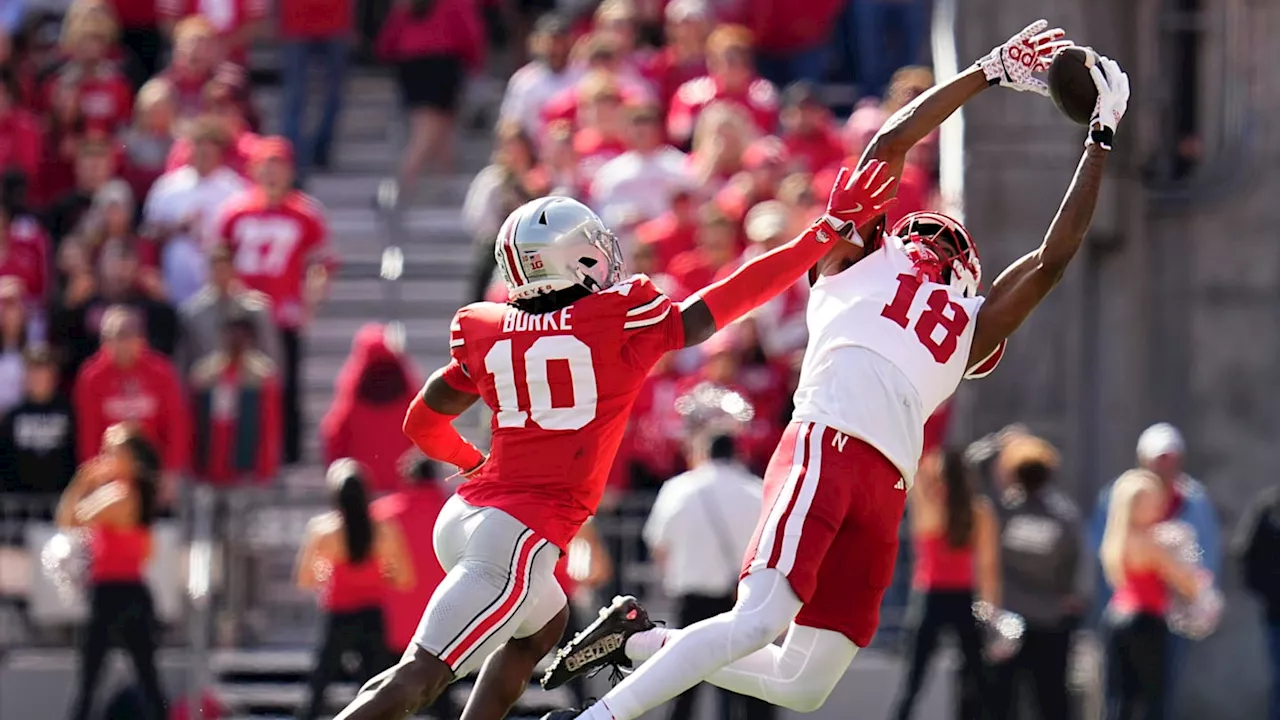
943 249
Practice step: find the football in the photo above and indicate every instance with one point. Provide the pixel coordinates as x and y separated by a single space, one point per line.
1070 84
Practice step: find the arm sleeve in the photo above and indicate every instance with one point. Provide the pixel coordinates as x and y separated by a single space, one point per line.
764 277
437 438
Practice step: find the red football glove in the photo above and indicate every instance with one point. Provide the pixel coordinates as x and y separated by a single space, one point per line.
857 197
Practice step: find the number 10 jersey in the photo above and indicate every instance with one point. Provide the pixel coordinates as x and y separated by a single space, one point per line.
561 386
885 350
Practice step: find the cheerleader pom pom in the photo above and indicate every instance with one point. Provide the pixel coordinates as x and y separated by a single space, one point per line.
1002 631
1198 618
64 560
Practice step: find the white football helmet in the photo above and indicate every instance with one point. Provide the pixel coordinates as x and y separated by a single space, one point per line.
555 243
938 237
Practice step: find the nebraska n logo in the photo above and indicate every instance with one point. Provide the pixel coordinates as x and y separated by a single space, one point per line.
838 441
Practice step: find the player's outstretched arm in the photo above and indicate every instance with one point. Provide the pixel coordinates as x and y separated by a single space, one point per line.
855 198
1025 283
429 421
1010 65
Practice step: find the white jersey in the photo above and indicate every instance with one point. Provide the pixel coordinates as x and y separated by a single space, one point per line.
885 350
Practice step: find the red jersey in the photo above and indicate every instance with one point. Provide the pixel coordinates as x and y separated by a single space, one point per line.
561 386
23 256
104 97
273 246
760 100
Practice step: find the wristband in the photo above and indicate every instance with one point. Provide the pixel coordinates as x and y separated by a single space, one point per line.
1100 135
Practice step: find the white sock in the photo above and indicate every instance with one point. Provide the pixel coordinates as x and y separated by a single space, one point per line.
644 645
766 605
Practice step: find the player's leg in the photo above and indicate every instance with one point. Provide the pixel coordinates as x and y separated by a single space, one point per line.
506 674
797 526
482 602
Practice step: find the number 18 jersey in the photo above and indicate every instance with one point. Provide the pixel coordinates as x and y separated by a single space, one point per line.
885 350
561 386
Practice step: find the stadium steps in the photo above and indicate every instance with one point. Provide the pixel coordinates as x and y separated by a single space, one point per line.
267 679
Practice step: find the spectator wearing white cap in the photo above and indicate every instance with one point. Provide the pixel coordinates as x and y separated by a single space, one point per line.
1162 450
638 184
547 75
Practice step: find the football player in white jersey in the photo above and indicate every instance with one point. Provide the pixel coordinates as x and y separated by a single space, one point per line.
894 324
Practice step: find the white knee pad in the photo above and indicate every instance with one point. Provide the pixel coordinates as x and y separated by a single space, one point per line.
809 666
799 675
765 608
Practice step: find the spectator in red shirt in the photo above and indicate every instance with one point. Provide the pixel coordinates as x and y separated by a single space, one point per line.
311 28
414 510
731 77
236 410
601 124
433 44
195 56
684 57
375 385
279 238
807 130
126 381
100 94
20 135
674 231
716 243
23 249
237 22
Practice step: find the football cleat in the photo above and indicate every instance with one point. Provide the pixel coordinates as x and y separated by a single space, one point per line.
602 643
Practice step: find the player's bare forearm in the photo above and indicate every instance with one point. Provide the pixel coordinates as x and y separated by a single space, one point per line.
1027 282
922 116
753 284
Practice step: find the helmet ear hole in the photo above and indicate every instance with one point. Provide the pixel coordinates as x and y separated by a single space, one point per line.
589 262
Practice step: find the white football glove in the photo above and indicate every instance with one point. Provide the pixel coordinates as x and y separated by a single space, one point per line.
1014 63
1113 100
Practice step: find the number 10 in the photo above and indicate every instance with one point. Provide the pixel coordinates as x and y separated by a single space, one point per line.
499 363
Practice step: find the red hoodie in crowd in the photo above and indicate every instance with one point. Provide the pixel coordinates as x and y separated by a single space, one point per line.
373 389
146 393
783 27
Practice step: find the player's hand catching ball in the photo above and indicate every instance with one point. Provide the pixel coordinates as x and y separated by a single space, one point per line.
858 196
1014 64
1113 100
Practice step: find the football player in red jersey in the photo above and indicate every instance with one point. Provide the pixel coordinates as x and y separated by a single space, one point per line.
279 241
560 366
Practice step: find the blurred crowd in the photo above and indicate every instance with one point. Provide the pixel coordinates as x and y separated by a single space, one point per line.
157 264
699 153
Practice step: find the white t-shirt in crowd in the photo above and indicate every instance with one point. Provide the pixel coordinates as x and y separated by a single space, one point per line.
703 521
635 186
182 196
